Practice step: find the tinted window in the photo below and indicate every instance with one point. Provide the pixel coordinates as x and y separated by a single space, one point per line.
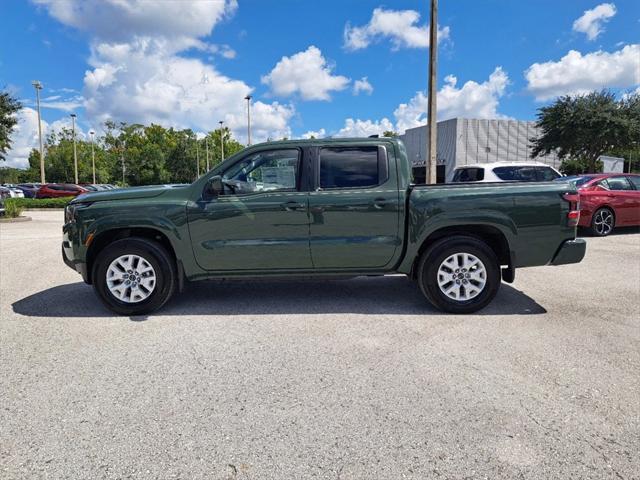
546 174
516 174
349 167
469 175
636 181
619 183
270 170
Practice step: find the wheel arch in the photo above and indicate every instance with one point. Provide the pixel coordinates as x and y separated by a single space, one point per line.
492 236
107 237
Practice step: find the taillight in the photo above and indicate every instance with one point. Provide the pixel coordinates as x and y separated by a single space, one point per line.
573 217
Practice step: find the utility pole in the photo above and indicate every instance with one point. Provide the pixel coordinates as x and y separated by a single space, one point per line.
248 99
75 152
206 146
38 86
430 164
93 156
221 140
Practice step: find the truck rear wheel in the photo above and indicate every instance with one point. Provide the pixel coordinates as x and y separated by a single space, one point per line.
459 274
134 276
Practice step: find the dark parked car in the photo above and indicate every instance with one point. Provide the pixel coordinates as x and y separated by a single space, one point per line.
55 190
607 201
29 189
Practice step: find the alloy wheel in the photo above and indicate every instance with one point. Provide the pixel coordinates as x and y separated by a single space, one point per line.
462 276
131 278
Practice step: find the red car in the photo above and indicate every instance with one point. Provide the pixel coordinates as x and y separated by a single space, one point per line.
607 200
54 190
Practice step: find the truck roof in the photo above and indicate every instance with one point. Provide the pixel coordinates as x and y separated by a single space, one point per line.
323 141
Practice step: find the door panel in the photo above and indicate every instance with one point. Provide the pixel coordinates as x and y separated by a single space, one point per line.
259 223
622 197
356 226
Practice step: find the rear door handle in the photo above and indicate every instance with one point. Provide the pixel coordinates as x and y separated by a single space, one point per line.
292 205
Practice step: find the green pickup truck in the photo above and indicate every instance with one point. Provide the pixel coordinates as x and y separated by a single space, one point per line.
334 207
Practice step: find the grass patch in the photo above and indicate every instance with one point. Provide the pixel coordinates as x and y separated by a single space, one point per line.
11 208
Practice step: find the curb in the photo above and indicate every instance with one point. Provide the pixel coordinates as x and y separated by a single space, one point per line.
15 220
53 209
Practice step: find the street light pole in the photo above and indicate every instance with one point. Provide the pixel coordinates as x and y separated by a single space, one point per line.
430 164
221 140
124 147
197 159
93 156
206 146
38 86
75 152
248 99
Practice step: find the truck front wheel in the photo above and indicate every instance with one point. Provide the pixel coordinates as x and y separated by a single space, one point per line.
134 276
459 274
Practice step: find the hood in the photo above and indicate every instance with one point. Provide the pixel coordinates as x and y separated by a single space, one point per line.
126 193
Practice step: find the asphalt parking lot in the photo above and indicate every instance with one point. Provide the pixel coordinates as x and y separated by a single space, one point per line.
319 379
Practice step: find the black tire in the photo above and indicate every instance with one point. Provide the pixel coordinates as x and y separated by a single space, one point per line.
603 222
156 255
429 266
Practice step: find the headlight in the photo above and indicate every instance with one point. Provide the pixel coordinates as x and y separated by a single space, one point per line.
71 210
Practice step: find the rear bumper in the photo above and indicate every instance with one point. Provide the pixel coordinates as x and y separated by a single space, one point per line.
571 251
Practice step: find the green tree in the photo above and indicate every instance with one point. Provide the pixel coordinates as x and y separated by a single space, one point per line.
9 106
390 134
580 128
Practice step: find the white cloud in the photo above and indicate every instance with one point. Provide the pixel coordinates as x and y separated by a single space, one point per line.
120 20
576 73
315 134
305 73
24 138
472 100
362 85
400 26
138 73
140 82
364 128
591 22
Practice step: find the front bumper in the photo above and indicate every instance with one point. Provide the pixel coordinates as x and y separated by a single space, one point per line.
571 251
68 255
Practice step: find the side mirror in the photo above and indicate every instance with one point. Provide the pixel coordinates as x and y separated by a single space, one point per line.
215 187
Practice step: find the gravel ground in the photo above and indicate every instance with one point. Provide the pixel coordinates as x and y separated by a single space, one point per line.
319 379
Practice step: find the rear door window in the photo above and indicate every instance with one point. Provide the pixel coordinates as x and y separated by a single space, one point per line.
516 174
635 181
546 174
469 175
619 183
351 167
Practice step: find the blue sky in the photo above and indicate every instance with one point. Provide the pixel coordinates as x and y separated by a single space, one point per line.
333 68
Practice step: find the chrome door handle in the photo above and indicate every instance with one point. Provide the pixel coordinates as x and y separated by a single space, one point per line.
292 206
380 203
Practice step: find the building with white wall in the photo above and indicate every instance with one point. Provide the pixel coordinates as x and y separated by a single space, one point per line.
464 141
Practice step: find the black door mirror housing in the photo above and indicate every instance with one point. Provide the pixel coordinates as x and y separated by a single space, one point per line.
215 186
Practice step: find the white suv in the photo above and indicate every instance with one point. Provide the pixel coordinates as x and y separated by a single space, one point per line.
505 172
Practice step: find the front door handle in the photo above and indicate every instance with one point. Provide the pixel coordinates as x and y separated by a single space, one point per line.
380 203
292 205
